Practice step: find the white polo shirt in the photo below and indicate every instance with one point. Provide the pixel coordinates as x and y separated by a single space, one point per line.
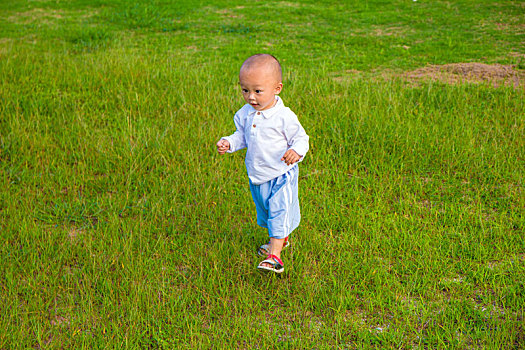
267 135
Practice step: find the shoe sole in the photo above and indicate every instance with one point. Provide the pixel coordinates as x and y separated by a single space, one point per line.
269 269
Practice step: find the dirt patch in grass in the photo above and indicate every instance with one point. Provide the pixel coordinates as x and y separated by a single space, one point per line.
456 73
73 233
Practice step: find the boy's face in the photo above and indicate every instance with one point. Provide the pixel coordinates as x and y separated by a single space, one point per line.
259 86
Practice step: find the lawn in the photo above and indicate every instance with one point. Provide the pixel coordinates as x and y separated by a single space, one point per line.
121 226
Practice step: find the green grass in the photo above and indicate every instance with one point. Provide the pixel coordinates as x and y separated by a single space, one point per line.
120 226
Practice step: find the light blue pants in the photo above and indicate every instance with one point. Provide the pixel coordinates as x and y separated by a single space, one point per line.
277 204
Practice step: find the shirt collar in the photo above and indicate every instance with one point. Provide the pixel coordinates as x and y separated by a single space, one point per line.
268 113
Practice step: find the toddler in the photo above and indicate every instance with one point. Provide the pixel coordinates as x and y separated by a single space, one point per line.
275 142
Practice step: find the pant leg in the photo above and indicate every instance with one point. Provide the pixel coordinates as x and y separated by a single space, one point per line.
284 213
259 196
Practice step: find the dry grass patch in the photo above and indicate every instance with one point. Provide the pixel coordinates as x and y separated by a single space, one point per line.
347 75
456 73
288 4
453 73
395 31
47 16
37 14
228 13
5 45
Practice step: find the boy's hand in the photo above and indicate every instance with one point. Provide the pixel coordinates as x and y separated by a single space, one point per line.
223 146
290 157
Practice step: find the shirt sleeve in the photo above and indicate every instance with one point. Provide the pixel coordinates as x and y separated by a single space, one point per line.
296 135
237 140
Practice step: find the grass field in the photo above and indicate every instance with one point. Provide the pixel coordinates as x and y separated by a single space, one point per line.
120 225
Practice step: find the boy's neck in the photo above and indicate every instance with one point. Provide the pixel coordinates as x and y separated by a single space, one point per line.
275 99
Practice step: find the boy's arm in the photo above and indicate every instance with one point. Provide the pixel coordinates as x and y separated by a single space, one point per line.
236 140
296 137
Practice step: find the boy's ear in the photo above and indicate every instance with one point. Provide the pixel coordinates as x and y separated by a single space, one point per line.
278 88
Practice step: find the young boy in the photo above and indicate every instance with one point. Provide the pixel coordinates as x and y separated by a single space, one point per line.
275 142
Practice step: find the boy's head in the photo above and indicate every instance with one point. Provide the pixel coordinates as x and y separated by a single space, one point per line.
261 79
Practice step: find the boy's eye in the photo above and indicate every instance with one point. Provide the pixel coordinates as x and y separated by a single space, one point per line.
258 91
244 90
